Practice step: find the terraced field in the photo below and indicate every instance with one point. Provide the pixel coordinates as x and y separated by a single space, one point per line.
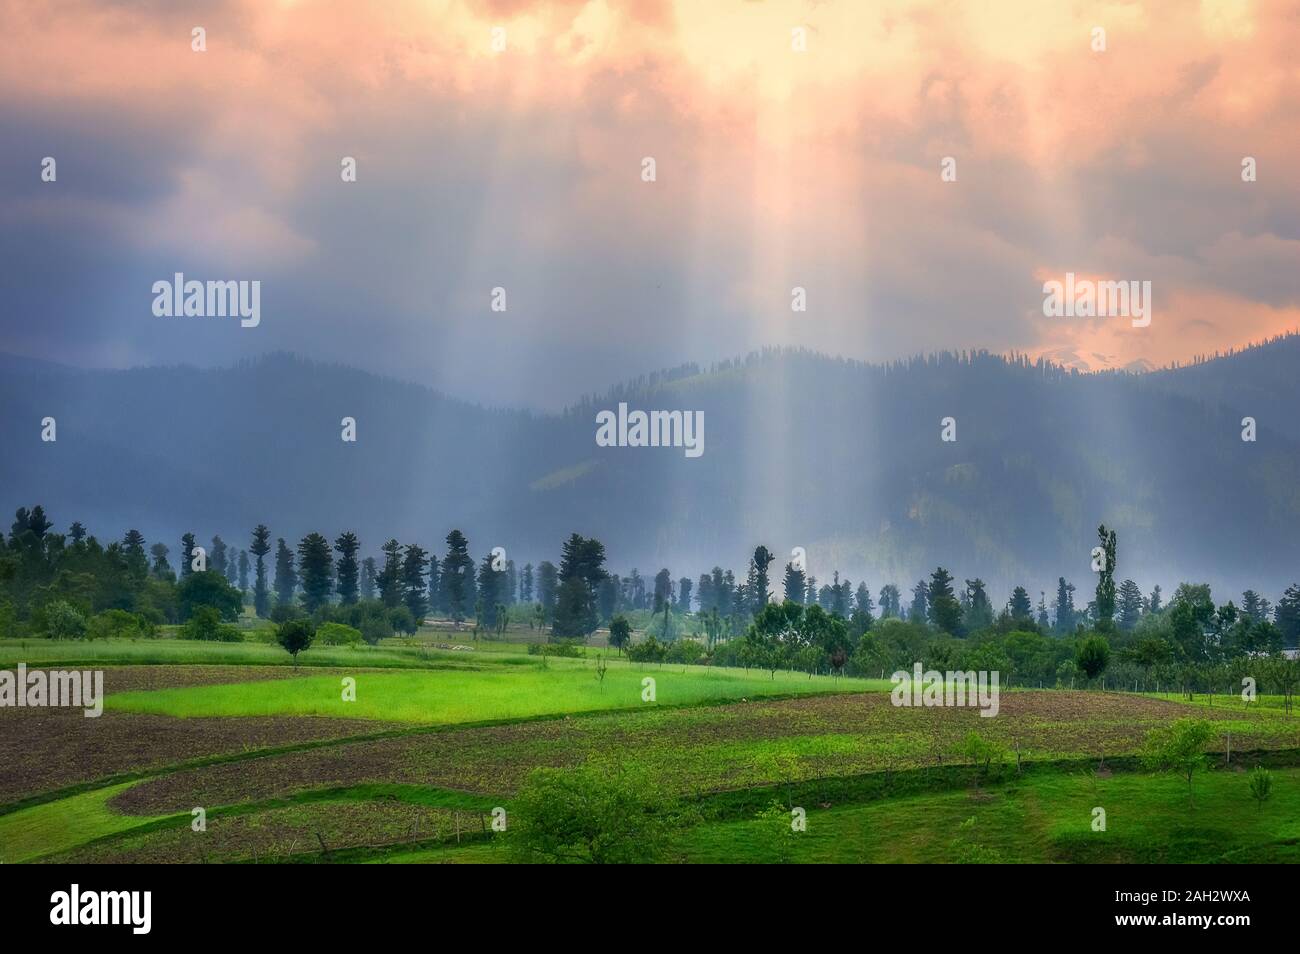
284 769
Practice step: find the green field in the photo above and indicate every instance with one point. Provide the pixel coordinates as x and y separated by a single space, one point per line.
480 696
437 738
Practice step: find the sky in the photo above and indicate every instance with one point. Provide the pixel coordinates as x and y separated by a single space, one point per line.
502 144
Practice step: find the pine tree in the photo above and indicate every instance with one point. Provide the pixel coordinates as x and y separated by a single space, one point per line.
315 563
942 607
260 547
1287 615
796 583
243 571
368 577
1105 599
891 602
414 565
188 543
548 589
1065 614
1129 605
979 611
137 563
458 590
347 545
286 578
756 582
161 569
663 589
526 587
491 590
684 587
1019 606
217 555
1255 607
390 577
919 609
434 583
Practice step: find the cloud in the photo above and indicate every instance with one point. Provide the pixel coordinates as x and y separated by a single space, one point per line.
521 169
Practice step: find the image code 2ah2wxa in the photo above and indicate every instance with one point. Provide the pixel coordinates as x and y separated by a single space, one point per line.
463 431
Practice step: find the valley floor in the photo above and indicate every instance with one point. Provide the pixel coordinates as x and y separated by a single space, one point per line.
284 769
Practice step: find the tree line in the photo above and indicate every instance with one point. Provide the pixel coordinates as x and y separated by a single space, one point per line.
71 584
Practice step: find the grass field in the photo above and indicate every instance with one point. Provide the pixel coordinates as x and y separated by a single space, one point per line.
480 696
437 738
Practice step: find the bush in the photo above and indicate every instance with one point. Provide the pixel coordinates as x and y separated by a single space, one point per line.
205 624
119 624
295 636
209 588
1178 747
337 634
589 814
1093 656
400 618
982 752
684 651
650 650
1261 785
64 621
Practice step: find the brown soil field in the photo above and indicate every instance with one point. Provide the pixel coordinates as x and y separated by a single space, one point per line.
49 748
711 748
277 832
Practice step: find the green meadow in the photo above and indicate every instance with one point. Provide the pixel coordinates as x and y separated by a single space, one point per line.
454 696
729 751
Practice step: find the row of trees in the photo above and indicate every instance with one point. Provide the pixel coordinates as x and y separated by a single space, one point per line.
127 586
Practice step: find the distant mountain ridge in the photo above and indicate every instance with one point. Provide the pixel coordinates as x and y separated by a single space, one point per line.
839 457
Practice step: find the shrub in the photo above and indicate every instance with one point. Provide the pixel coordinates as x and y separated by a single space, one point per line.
684 651
64 621
119 624
205 624
400 618
591 814
337 634
1093 656
650 650
1261 785
295 636
1179 747
982 752
620 632
209 588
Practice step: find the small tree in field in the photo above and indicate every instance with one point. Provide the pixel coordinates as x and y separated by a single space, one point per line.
295 636
593 814
982 752
1179 747
602 667
1093 656
1261 785
620 632
64 621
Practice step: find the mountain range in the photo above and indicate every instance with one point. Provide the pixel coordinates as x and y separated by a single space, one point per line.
842 458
